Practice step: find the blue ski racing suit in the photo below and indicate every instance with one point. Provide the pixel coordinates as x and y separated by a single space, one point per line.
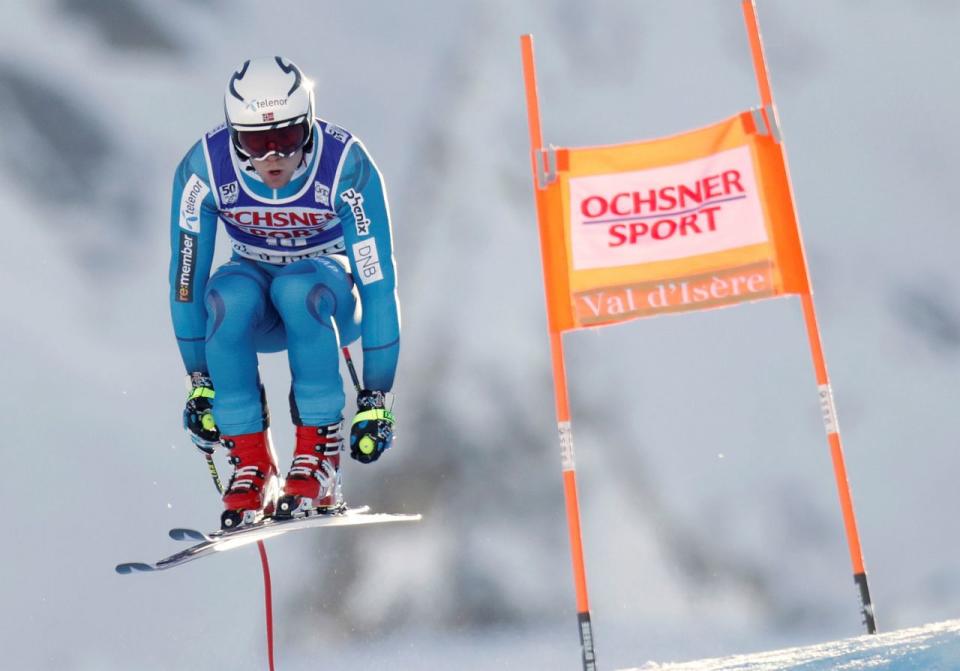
311 270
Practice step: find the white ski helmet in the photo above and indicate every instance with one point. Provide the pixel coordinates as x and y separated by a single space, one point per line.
267 94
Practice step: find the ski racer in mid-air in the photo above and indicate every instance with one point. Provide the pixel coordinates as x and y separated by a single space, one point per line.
306 213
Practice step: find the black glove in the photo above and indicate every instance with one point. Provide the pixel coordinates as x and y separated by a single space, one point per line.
372 430
197 415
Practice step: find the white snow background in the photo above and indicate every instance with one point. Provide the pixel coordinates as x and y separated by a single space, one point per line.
710 515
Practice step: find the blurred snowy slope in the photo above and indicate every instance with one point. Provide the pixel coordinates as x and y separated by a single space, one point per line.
934 647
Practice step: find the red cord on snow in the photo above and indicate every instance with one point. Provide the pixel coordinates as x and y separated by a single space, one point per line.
267 599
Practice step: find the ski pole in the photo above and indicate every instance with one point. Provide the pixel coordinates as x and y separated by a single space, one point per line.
353 371
213 472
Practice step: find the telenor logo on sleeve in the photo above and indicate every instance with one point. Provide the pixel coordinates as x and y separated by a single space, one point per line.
368 261
194 191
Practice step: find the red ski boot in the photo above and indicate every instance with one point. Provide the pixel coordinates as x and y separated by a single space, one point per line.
252 492
313 483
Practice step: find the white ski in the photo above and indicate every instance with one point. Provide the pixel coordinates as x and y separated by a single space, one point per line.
221 541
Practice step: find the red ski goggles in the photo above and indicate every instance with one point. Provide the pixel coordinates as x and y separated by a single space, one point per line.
259 144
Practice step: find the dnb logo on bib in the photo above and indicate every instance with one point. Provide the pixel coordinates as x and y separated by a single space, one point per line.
229 193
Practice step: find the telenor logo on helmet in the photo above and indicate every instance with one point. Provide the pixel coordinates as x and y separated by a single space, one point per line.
266 103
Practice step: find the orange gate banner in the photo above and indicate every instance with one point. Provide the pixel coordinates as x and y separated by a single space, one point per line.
699 220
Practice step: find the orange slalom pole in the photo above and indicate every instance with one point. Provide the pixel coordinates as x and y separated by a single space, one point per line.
816 347
561 400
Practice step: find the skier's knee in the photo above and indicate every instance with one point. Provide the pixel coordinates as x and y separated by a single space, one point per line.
238 290
233 302
293 293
